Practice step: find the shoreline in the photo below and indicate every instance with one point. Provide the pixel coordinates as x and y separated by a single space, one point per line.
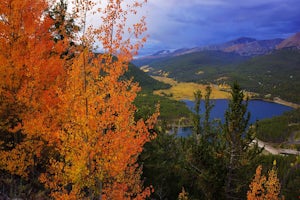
178 91
275 100
279 101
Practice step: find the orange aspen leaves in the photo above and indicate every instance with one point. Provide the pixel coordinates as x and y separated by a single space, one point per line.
263 187
75 114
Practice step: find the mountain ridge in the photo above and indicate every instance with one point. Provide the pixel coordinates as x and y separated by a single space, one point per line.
290 42
244 46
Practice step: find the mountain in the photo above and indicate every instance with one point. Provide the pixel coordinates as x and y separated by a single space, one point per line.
243 46
162 53
293 41
257 47
226 45
246 46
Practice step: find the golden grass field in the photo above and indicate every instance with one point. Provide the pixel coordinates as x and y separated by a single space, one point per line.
184 90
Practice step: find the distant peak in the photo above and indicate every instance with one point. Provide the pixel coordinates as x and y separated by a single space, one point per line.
243 40
293 41
297 35
161 52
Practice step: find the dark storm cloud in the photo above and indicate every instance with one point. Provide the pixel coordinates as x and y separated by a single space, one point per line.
177 23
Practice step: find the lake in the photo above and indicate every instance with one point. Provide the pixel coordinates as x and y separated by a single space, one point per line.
259 110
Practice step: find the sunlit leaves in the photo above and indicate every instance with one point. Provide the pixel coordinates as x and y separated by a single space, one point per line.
263 187
73 109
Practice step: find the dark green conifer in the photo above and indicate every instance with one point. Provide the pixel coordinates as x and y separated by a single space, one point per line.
239 135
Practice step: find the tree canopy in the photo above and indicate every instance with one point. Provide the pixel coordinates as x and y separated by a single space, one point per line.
67 118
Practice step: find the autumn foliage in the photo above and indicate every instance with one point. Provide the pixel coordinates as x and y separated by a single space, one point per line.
66 114
262 187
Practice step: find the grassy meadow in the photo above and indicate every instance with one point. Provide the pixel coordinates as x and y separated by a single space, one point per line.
185 90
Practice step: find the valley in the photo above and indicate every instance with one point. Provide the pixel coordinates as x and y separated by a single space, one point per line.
268 73
274 74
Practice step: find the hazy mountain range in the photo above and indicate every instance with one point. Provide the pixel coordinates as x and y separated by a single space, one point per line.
244 46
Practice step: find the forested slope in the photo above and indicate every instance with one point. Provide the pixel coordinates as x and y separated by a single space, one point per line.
276 74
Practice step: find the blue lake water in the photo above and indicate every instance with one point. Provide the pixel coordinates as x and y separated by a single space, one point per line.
258 109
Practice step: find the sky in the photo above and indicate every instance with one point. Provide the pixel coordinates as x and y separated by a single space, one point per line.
174 24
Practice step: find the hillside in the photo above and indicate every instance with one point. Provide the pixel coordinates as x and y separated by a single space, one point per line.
144 80
283 130
293 41
146 101
277 74
197 67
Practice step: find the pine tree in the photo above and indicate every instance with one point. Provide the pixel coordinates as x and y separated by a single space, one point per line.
238 136
197 114
208 107
201 152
